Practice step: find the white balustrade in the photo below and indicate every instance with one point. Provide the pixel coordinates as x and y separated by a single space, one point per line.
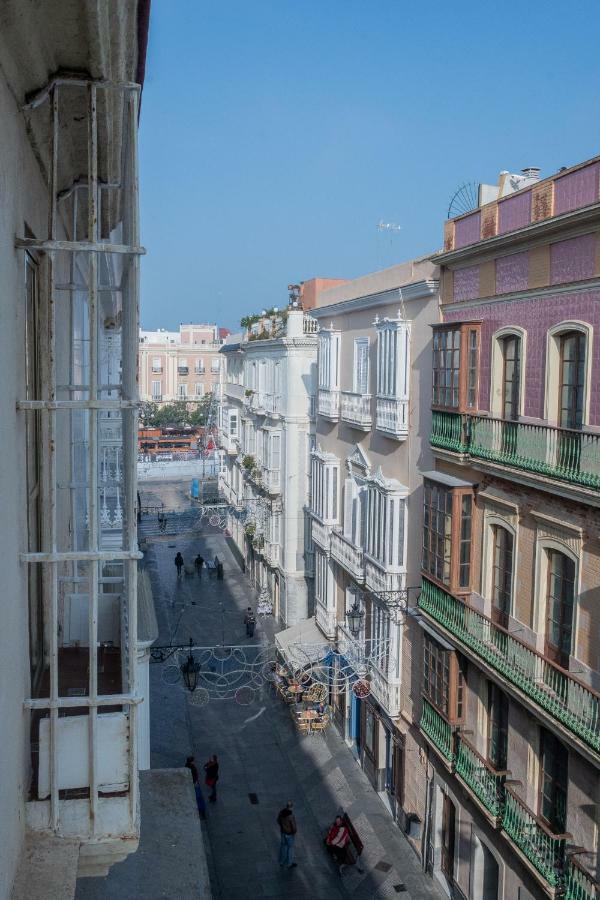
391 417
356 409
347 555
329 403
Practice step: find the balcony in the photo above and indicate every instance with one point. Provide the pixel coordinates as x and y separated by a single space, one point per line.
183 370
559 453
157 370
391 417
439 731
321 535
325 618
157 398
544 849
235 391
564 697
272 553
262 403
381 579
384 688
271 480
228 442
347 555
356 409
199 370
483 780
579 883
329 404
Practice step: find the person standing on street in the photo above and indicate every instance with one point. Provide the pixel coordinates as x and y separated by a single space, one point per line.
199 562
211 777
249 622
288 829
179 564
190 764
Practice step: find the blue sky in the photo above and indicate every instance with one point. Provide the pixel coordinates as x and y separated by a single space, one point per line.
276 134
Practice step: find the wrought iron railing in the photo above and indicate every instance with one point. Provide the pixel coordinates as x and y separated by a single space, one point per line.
568 700
567 455
544 849
438 730
486 782
579 883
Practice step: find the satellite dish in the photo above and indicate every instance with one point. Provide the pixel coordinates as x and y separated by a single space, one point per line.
464 200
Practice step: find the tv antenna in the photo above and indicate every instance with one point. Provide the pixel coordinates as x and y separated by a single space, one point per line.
389 230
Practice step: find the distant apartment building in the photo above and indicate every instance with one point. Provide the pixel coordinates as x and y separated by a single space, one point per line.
510 597
265 425
179 365
365 511
73 660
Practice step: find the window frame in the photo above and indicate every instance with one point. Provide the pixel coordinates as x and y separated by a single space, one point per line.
456 537
453 688
553 365
461 386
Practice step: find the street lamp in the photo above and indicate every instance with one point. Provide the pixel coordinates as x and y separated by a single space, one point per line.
190 671
355 617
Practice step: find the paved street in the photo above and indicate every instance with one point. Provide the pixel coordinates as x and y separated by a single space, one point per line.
261 754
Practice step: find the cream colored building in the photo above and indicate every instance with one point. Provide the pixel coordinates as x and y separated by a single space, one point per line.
179 365
370 448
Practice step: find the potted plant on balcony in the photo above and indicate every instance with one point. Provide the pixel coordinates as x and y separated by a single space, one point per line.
248 463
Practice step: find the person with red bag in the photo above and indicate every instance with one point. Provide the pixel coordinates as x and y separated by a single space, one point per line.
211 777
337 840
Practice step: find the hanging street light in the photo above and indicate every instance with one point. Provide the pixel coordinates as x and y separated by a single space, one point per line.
190 671
355 616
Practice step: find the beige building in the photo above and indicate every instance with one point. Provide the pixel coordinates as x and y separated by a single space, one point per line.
179 365
366 499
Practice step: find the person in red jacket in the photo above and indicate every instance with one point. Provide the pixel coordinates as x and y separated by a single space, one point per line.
337 840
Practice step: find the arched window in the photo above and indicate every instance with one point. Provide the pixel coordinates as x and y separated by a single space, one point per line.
572 379
560 602
502 578
511 376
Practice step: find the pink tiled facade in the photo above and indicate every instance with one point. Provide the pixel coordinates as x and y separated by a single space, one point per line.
466 283
577 189
536 317
514 212
512 272
467 230
573 260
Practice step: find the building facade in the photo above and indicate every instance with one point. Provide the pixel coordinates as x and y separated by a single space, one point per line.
179 365
266 422
365 511
70 647
510 598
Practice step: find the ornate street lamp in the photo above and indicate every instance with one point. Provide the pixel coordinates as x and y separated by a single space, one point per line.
190 671
355 616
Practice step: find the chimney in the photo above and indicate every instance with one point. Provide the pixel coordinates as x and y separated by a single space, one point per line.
532 172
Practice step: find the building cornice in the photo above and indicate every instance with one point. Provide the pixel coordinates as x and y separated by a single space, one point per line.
418 290
574 287
544 229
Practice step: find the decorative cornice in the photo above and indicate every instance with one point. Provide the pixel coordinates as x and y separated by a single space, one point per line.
416 291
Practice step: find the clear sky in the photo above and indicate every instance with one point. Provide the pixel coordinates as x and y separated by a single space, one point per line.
276 134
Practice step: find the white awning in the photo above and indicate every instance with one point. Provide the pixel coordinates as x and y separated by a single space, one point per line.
302 644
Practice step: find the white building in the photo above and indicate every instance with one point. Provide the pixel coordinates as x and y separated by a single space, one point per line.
179 365
373 421
266 425
69 264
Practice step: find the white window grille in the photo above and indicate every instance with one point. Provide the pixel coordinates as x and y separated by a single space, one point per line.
384 538
361 365
393 376
87 404
182 391
215 365
325 469
329 359
156 364
233 424
156 390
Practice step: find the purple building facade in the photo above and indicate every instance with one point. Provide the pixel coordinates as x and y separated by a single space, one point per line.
510 599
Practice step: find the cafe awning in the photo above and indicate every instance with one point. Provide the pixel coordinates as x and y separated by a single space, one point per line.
302 644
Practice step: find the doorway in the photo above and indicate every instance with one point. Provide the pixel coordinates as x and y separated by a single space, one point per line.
448 838
485 873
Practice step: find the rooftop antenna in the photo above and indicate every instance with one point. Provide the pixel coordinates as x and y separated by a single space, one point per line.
384 229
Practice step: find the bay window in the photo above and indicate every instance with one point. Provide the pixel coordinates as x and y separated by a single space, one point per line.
443 679
456 366
393 372
329 360
325 469
361 366
447 531
385 514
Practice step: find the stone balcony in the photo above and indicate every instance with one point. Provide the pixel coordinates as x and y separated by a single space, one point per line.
325 618
391 417
380 578
328 404
272 553
356 410
348 556
271 480
321 535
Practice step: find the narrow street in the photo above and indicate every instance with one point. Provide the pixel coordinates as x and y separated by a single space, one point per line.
263 761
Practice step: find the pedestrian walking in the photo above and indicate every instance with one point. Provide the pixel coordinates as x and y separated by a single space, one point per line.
249 622
337 840
211 777
190 764
287 826
199 562
179 564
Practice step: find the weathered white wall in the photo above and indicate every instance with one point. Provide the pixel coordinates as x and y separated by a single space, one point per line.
23 202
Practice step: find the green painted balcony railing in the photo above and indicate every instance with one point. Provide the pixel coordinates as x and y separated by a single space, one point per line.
579 884
545 850
486 783
438 730
571 456
448 431
570 701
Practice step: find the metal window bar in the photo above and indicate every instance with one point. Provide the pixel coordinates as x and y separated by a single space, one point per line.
52 557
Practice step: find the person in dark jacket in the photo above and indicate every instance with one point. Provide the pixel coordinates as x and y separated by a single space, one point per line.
287 826
211 777
190 764
179 564
199 562
249 622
